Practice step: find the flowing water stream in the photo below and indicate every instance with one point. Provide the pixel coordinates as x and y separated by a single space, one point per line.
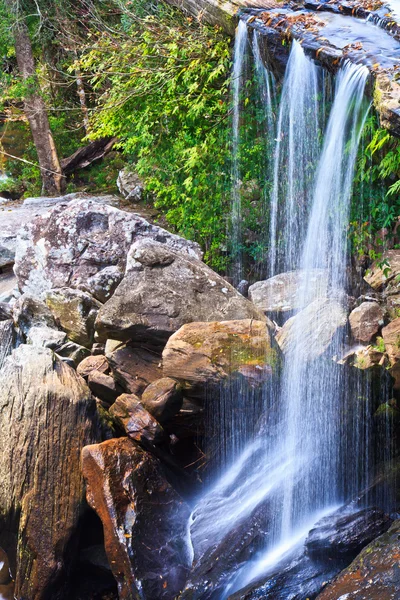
296 474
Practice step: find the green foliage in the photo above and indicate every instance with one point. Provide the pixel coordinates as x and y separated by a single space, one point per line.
162 88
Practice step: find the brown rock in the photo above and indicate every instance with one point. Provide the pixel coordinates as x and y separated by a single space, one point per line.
4 568
93 363
391 338
163 398
134 418
103 386
47 415
313 327
366 358
366 320
144 520
161 291
76 313
373 575
380 273
203 354
133 368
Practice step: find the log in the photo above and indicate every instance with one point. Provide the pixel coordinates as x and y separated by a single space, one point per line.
87 155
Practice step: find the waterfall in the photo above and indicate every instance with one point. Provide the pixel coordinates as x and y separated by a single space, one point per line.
236 211
296 153
290 473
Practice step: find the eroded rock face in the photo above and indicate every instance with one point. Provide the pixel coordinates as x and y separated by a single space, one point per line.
70 246
161 291
76 312
315 326
7 339
280 293
205 354
47 415
163 398
145 521
373 575
138 424
366 320
391 337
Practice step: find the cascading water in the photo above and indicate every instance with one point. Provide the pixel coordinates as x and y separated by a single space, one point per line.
293 476
296 153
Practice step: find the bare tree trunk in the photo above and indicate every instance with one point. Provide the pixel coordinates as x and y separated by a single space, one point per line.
35 110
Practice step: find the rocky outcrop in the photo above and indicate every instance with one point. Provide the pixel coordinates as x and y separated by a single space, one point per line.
391 338
205 354
280 293
72 244
139 425
374 574
384 271
75 312
47 416
130 185
144 520
315 327
161 291
366 320
134 368
163 398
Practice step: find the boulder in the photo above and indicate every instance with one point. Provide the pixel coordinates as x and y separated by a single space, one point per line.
145 521
366 320
281 293
29 311
75 311
70 245
205 354
103 386
367 357
374 574
342 535
7 339
391 338
46 337
138 424
47 415
133 368
161 291
384 271
163 399
130 186
313 328
5 311
72 353
93 363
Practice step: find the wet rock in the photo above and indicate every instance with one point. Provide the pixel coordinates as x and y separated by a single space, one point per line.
76 312
205 354
47 415
384 271
391 338
29 311
74 242
344 534
161 291
366 320
7 339
280 293
46 337
243 288
373 575
130 185
72 352
4 568
93 363
163 399
103 386
367 358
135 420
133 368
188 422
314 327
148 547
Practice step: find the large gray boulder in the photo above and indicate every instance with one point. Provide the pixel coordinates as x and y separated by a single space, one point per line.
281 293
73 243
47 416
164 289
